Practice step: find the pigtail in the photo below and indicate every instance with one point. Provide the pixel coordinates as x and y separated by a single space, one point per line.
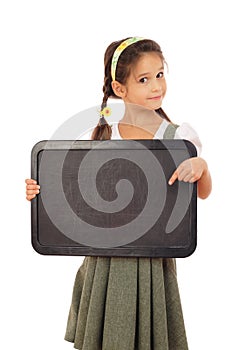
103 130
162 114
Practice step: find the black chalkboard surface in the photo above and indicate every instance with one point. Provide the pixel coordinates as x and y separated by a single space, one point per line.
112 198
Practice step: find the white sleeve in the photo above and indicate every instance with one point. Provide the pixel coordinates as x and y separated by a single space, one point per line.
186 132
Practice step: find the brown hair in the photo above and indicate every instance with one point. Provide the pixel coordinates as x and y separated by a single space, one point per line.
126 60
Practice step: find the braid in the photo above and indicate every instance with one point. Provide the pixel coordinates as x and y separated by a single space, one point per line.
162 114
103 130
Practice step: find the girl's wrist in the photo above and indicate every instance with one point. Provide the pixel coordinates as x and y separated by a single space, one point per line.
205 169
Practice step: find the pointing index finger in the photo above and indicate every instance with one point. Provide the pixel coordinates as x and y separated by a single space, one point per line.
173 178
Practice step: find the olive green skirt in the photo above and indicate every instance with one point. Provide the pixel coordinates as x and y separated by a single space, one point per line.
126 304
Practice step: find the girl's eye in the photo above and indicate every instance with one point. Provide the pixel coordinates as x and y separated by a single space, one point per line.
160 75
143 80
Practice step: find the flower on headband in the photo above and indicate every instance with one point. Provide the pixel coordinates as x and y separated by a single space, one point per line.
122 46
106 112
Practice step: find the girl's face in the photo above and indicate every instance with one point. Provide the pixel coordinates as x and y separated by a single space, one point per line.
146 85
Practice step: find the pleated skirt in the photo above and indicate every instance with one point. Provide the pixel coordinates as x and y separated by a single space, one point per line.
126 304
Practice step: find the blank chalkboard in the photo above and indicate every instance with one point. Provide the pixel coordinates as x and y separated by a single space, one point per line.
112 198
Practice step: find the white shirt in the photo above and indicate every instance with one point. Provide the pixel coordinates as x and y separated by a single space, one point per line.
184 131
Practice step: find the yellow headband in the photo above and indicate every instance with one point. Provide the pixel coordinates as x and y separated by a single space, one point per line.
119 51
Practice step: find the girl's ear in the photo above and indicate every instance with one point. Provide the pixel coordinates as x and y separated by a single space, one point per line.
119 89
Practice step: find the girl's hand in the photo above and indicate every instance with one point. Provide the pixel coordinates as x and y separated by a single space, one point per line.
192 170
32 189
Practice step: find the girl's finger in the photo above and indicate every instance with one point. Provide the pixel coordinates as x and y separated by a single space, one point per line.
193 178
30 182
188 178
32 192
30 197
185 175
33 187
173 178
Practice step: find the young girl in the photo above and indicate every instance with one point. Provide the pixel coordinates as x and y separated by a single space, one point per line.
133 303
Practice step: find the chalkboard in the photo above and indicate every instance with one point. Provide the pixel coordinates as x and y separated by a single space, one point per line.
112 198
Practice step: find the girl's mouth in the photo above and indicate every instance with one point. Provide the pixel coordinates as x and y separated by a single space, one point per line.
156 98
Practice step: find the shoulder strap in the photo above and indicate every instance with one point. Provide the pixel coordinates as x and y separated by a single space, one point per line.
170 131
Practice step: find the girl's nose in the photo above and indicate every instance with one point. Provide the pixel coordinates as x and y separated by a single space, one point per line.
155 85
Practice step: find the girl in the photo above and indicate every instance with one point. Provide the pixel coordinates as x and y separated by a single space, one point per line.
133 303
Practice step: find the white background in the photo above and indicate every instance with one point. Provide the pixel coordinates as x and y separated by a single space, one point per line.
52 68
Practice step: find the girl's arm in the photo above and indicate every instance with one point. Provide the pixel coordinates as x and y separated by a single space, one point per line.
32 189
204 184
192 170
